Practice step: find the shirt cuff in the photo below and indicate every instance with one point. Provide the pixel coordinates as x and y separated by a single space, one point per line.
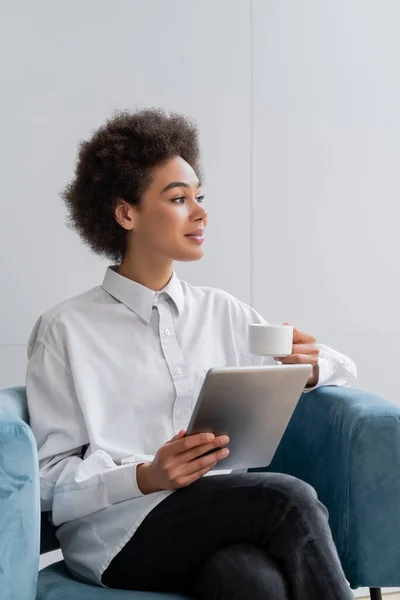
334 369
121 483
326 370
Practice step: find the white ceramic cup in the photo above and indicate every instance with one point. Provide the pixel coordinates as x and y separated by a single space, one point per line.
271 340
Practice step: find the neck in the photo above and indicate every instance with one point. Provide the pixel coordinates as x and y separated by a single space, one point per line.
151 274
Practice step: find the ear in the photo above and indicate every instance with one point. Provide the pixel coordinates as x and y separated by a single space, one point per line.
124 214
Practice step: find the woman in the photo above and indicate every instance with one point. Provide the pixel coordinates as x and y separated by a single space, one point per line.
112 378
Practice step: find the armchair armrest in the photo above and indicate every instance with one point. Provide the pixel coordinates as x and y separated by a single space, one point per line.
19 500
346 444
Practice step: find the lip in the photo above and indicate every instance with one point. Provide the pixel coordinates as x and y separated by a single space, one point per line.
196 233
197 236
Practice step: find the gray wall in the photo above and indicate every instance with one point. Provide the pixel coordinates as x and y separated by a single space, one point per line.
326 175
298 105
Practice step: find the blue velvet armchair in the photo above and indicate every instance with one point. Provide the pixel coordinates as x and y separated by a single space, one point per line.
344 442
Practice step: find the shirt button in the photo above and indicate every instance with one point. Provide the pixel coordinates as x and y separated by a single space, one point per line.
167 331
179 371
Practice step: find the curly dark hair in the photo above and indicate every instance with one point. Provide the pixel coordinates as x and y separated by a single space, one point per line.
115 163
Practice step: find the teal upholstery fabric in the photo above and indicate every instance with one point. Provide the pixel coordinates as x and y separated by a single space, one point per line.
13 404
55 583
19 500
344 442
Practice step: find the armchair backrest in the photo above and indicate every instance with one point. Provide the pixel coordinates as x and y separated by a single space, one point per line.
13 404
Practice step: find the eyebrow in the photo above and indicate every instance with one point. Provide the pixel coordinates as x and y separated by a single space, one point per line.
175 184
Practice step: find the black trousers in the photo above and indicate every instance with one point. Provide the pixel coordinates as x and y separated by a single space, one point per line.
235 537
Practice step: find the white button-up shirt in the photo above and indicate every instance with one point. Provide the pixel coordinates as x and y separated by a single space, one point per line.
112 375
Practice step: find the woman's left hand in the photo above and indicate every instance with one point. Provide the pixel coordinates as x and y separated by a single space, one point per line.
304 351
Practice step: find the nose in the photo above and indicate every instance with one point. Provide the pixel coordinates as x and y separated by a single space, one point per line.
199 212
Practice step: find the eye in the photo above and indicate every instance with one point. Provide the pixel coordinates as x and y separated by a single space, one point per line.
179 200
200 199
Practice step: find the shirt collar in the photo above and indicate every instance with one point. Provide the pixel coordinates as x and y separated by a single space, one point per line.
139 298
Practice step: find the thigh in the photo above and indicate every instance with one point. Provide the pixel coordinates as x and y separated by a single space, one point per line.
194 523
240 572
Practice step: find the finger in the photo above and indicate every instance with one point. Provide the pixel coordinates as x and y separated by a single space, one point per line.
310 350
305 349
299 336
302 337
300 359
178 436
203 462
191 441
194 453
186 481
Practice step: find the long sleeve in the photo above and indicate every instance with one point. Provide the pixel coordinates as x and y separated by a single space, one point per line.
72 485
334 368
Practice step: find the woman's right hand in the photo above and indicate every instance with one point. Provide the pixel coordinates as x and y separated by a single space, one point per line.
180 462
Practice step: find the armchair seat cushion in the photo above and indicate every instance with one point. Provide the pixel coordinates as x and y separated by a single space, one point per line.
55 583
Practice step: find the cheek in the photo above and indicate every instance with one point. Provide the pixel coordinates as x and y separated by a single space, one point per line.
167 225
176 217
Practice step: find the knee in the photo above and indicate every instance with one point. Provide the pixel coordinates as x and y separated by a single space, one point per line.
297 492
242 557
222 562
240 567
229 563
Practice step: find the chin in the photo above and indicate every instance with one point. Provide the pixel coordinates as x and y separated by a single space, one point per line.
189 256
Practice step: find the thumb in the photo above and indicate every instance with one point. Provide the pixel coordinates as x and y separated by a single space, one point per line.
286 323
179 435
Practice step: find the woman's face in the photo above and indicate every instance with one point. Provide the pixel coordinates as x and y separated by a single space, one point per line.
169 223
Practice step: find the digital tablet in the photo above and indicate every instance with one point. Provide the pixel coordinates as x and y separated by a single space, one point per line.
253 405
